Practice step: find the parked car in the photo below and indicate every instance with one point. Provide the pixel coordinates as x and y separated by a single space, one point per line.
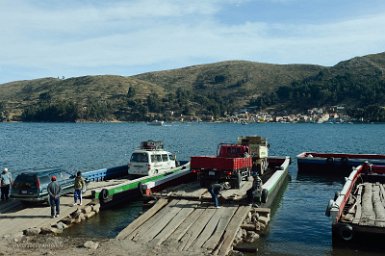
32 186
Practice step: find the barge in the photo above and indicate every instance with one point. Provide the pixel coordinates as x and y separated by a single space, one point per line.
132 189
334 164
274 178
358 210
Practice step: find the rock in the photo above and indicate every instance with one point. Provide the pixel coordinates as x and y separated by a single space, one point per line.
263 219
67 220
251 237
46 231
76 213
91 245
255 217
32 231
249 227
87 209
96 208
56 231
60 225
90 215
19 238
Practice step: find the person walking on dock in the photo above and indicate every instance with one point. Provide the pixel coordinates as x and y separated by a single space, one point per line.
54 190
6 182
79 186
214 188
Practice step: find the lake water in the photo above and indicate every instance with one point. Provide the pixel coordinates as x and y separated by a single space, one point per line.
298 226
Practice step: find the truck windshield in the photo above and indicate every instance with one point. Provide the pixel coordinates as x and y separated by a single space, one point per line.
139 157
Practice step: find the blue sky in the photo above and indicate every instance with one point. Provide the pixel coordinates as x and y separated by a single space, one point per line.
52 38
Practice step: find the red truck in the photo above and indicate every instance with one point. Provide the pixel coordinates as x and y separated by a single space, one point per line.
233 163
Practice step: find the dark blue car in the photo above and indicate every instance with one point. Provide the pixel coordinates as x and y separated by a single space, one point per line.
32 186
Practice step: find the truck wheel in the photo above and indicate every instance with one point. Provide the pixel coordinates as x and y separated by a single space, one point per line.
237 180
264 196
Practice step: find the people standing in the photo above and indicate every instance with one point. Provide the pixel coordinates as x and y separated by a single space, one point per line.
214 188
79 186
6 182
254 194
54 190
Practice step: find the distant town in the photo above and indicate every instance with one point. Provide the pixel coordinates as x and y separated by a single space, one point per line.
314 115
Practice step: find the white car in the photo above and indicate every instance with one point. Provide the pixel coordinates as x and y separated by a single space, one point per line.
151 160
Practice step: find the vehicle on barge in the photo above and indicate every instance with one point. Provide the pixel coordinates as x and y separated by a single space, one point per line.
334 164
235 163
358 210
149 163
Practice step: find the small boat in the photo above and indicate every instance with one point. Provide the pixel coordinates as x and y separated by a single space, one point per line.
338 164
156 123
358 210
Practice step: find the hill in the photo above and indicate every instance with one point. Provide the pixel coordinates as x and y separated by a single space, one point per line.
216 89
357 84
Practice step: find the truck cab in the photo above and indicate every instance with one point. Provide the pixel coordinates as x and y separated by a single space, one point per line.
151 159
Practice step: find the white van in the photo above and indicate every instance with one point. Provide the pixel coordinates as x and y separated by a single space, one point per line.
150 159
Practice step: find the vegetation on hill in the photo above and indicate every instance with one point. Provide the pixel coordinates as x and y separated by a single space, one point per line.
202 91
357 84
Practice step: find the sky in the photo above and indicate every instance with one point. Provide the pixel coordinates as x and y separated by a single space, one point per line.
71 38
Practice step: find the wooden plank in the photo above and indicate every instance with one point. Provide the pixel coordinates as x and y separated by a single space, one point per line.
174 239
142 219
209 229
382 194
378 207
194 231
232 229
143 231
161 223
224 220
367 217
175 222
358 212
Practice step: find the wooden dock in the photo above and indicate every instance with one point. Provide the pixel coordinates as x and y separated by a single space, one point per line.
183 221
187 226
15 217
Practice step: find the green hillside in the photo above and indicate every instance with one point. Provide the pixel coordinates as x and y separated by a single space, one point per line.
203 91
357 84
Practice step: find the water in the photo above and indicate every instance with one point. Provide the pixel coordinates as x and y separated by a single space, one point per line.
298 226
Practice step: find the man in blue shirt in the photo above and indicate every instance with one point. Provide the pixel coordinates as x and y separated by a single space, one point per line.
6 182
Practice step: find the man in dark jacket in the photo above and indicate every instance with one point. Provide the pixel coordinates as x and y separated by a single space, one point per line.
54 190
214 189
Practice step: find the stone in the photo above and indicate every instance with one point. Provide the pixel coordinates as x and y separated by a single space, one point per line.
263 219
56 231
76 213
91 245
87 209
60 225
96 208
32 231
90 215
251 237
67 220
45 231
